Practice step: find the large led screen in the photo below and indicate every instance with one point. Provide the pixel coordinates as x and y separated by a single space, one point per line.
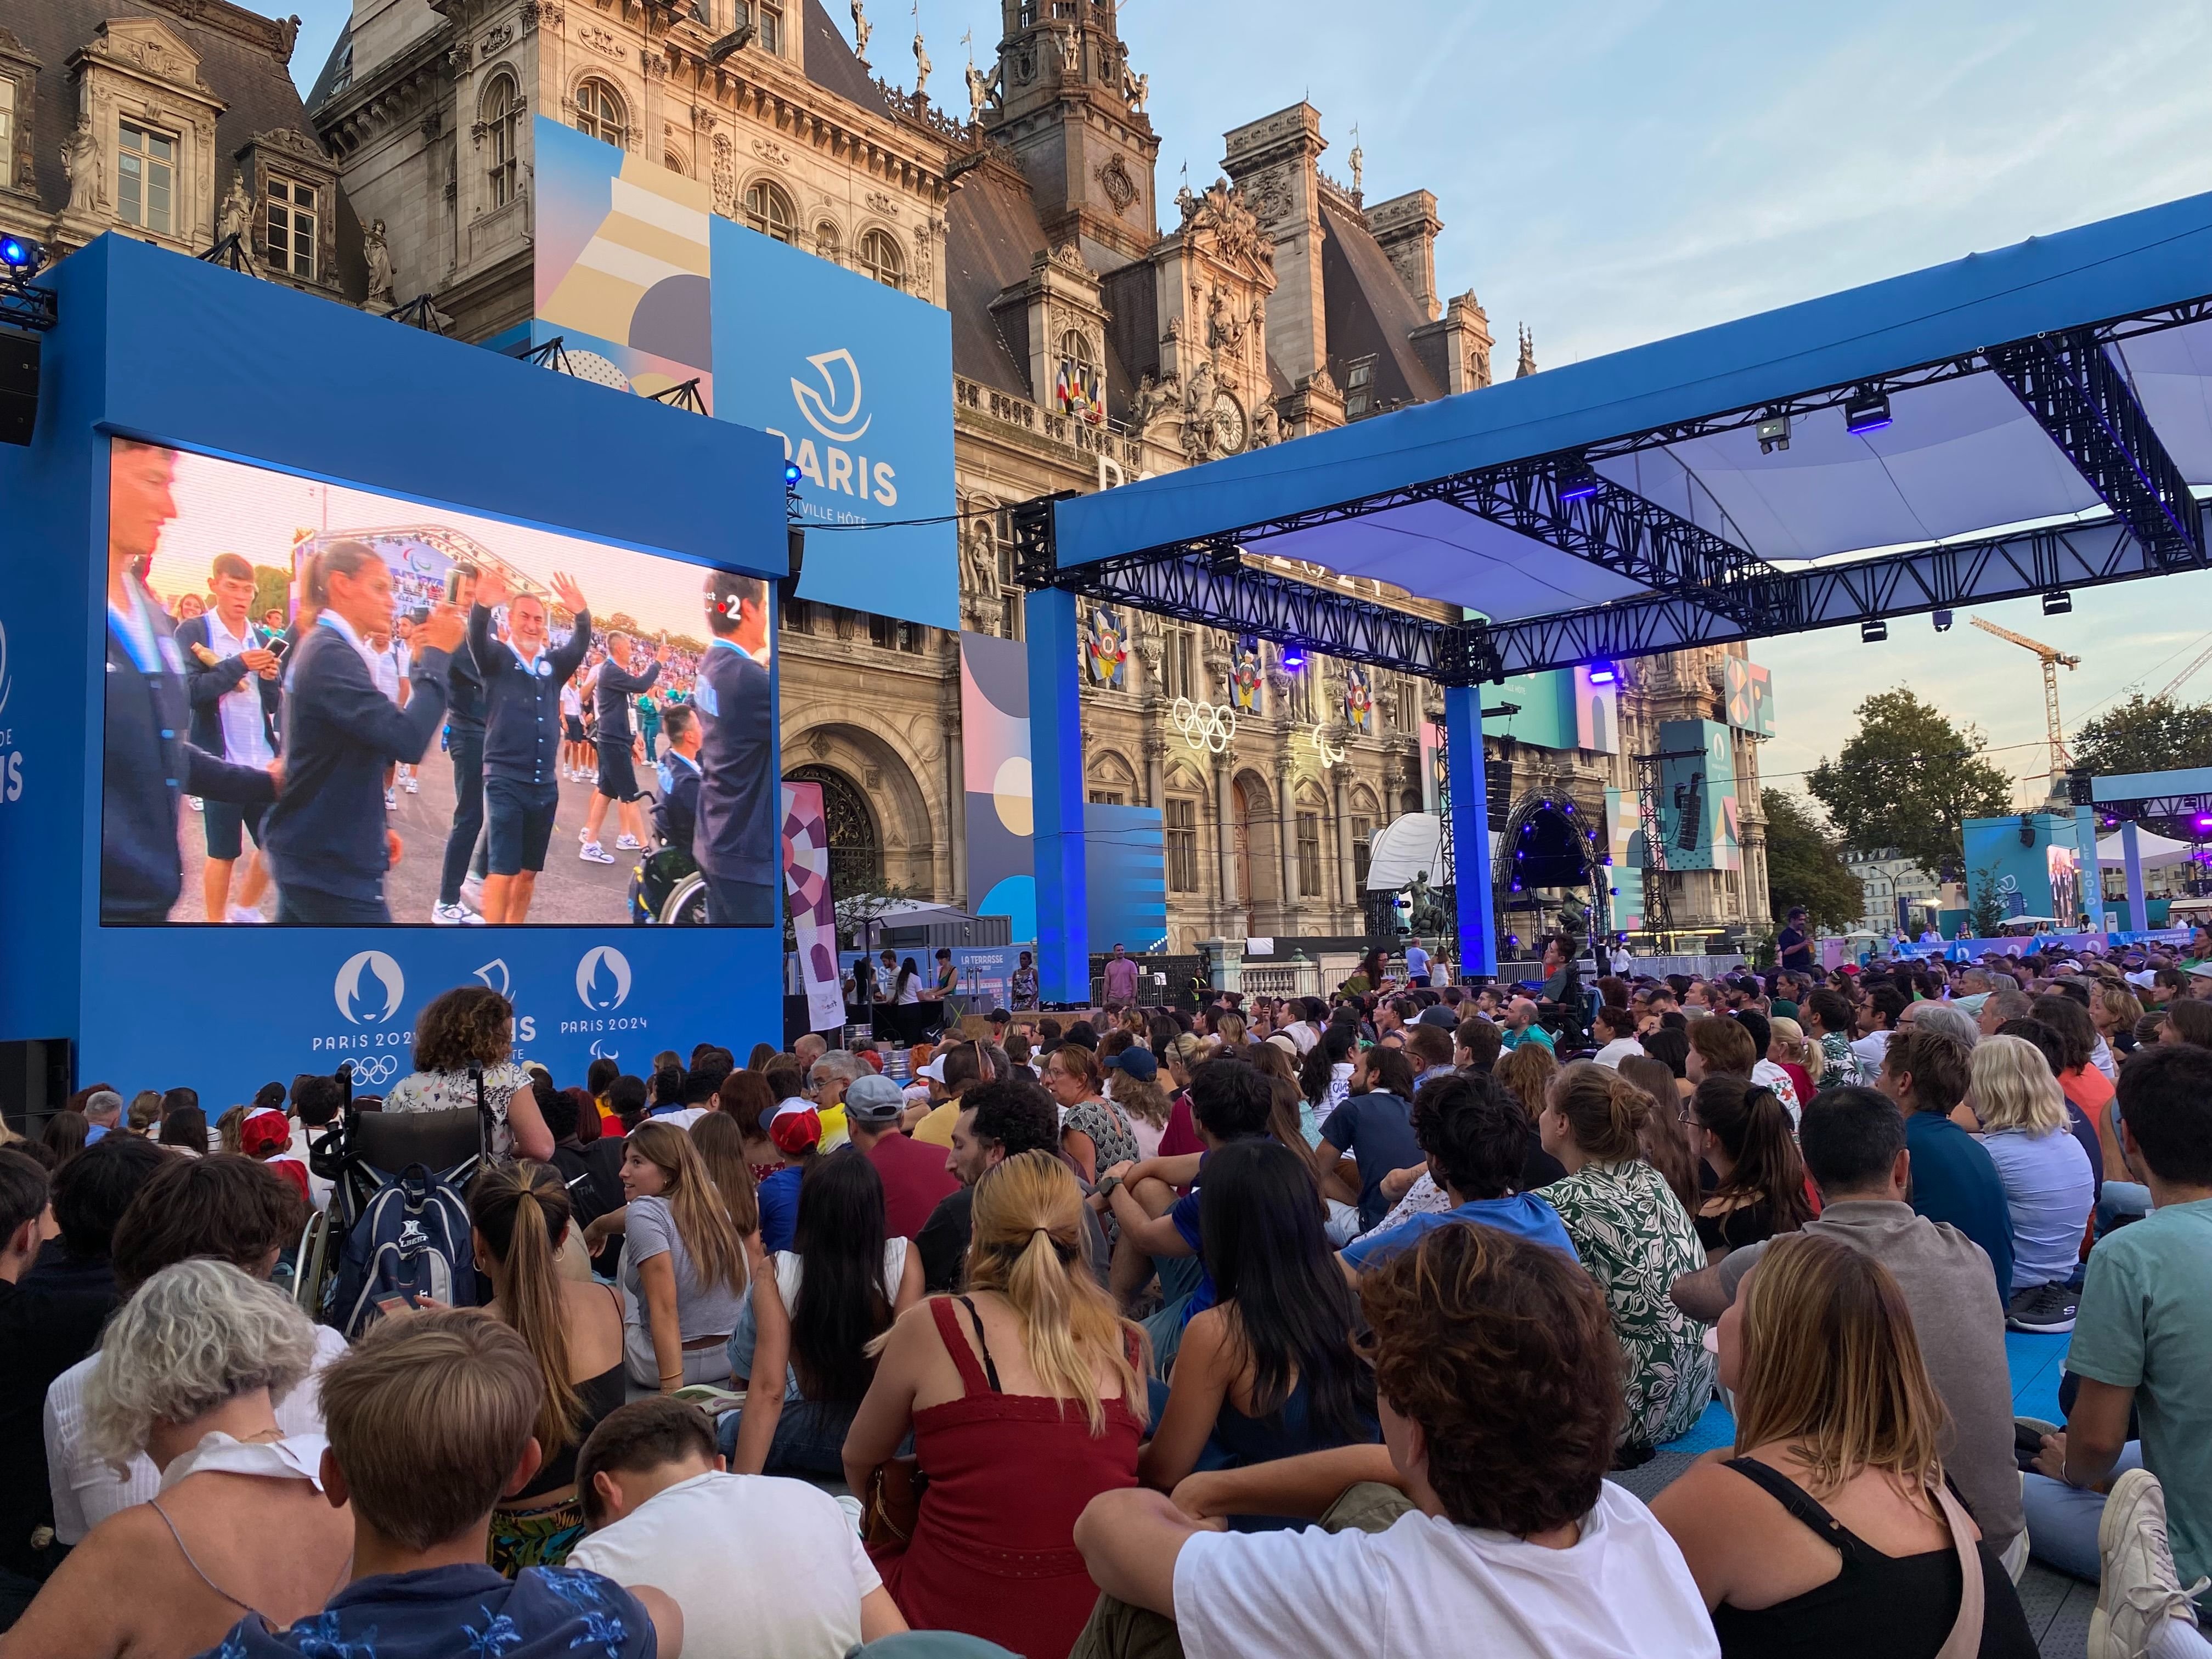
330 706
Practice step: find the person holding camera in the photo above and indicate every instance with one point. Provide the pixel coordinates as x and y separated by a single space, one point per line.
522 678
230 681
326 838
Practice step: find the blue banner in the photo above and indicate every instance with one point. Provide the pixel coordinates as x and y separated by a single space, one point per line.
856 379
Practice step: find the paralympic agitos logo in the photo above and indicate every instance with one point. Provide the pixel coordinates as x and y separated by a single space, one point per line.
833 403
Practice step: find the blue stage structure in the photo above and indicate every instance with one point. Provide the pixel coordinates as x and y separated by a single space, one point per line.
2131 796
152 346
2024 422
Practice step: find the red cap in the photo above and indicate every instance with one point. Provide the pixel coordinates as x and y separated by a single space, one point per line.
265 1131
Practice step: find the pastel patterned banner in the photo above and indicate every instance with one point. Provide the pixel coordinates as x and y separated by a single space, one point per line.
1698 805
1750 697
994 751
1245 676
1624 841
813 906
1359 699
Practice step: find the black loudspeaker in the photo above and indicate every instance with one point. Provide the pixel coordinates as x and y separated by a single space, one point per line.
19 386
787 587
2078 789
2026 829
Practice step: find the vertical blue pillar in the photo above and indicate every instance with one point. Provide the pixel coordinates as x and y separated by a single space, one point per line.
1470 830
2131 859
1056 778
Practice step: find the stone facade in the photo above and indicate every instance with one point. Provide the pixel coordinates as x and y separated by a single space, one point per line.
176 122
1273 303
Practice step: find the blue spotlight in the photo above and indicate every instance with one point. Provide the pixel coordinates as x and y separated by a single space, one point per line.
1577 481
19 255
791 475
1294 658
1604 673
1866 410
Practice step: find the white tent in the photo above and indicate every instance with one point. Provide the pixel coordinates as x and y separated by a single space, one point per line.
1403 848
2155 851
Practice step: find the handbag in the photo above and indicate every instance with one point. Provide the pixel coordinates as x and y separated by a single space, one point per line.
1964 1641
895 1506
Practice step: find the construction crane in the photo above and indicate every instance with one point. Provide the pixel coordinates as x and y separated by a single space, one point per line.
2052 659
2186 675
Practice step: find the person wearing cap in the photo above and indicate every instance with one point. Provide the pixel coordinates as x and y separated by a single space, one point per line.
951 1074
265 1134
915 1178
796 1130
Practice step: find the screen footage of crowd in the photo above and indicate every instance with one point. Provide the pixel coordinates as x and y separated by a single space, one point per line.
331 707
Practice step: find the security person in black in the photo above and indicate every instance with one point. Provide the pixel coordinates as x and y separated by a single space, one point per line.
464 745
522 683
149 762
737 844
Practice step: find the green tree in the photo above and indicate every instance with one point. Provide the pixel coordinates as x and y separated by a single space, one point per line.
1805 866
1985 908
2145 734
272 590
1909 778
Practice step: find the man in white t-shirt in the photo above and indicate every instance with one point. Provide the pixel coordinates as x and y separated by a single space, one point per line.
763 1568
1483 1524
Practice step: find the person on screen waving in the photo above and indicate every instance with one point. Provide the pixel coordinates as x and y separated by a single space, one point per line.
522 731
148 764
736 840
327 840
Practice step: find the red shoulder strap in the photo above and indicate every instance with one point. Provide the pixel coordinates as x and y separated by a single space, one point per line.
972 1380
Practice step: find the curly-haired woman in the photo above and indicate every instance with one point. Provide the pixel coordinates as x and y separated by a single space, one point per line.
463 1036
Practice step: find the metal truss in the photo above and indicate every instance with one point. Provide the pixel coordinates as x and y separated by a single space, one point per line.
2070 384
26 308
2088 554
2156 806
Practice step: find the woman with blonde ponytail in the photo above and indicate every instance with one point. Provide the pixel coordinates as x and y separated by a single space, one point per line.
1026 1399
518 1215
1636 1238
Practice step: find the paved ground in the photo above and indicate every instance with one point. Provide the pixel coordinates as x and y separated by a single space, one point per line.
2057 1607
570 891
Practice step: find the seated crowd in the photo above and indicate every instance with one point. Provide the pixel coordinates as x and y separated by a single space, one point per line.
1274 1327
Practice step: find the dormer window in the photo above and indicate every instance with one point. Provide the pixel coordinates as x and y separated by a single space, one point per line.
145 177
295 211
1358 388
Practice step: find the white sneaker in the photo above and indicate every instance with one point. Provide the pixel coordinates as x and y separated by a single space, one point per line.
196 803
239 912
629 844
413 788
454 915
472 892
593 853
391 801
2138 1590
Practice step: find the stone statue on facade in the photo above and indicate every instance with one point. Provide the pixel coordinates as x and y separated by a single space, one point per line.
80 155
979 92
1136 88
1152 398
862 28
921 68
234 214
382 272
1266 428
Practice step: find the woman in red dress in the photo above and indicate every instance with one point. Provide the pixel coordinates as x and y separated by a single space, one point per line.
1025 1397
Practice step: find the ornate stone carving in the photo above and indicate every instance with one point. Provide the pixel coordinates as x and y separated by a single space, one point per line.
80 156
979 93
1135 88
495 39
879 203
1221 215
235 216
381 271
602 41
1152 398
1121 189
1224 328
1266 427
921 68
862 28
1269 194
531 13
771 152
723 180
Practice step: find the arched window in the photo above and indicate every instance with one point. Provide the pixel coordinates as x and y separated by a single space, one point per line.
675 163
1079 390
500 113
768 210
599 113
880 259
856 854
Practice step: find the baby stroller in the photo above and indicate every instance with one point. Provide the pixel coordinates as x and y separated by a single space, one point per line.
420 1163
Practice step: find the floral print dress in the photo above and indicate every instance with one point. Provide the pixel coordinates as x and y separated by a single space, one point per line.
1635 1238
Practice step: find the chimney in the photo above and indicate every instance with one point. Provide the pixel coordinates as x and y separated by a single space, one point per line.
1406 226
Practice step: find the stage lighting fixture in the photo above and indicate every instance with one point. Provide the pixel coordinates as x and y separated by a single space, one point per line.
791 475
1865 410
1773 434
2058 602
2204 820
1604 673
1577 481
1294 658
1874 632
1942 622
21 256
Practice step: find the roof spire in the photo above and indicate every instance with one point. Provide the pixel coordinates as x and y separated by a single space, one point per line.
1527 354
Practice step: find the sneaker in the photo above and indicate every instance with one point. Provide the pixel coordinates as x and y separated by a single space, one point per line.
391 801
455 916
413 787
629 844
593 853
239 912
196 803
2138 1589
2043 1310
584 832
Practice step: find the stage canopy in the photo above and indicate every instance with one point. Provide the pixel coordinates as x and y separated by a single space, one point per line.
2156 851
2024 422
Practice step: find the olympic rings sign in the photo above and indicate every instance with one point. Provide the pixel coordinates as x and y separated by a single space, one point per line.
1204 726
